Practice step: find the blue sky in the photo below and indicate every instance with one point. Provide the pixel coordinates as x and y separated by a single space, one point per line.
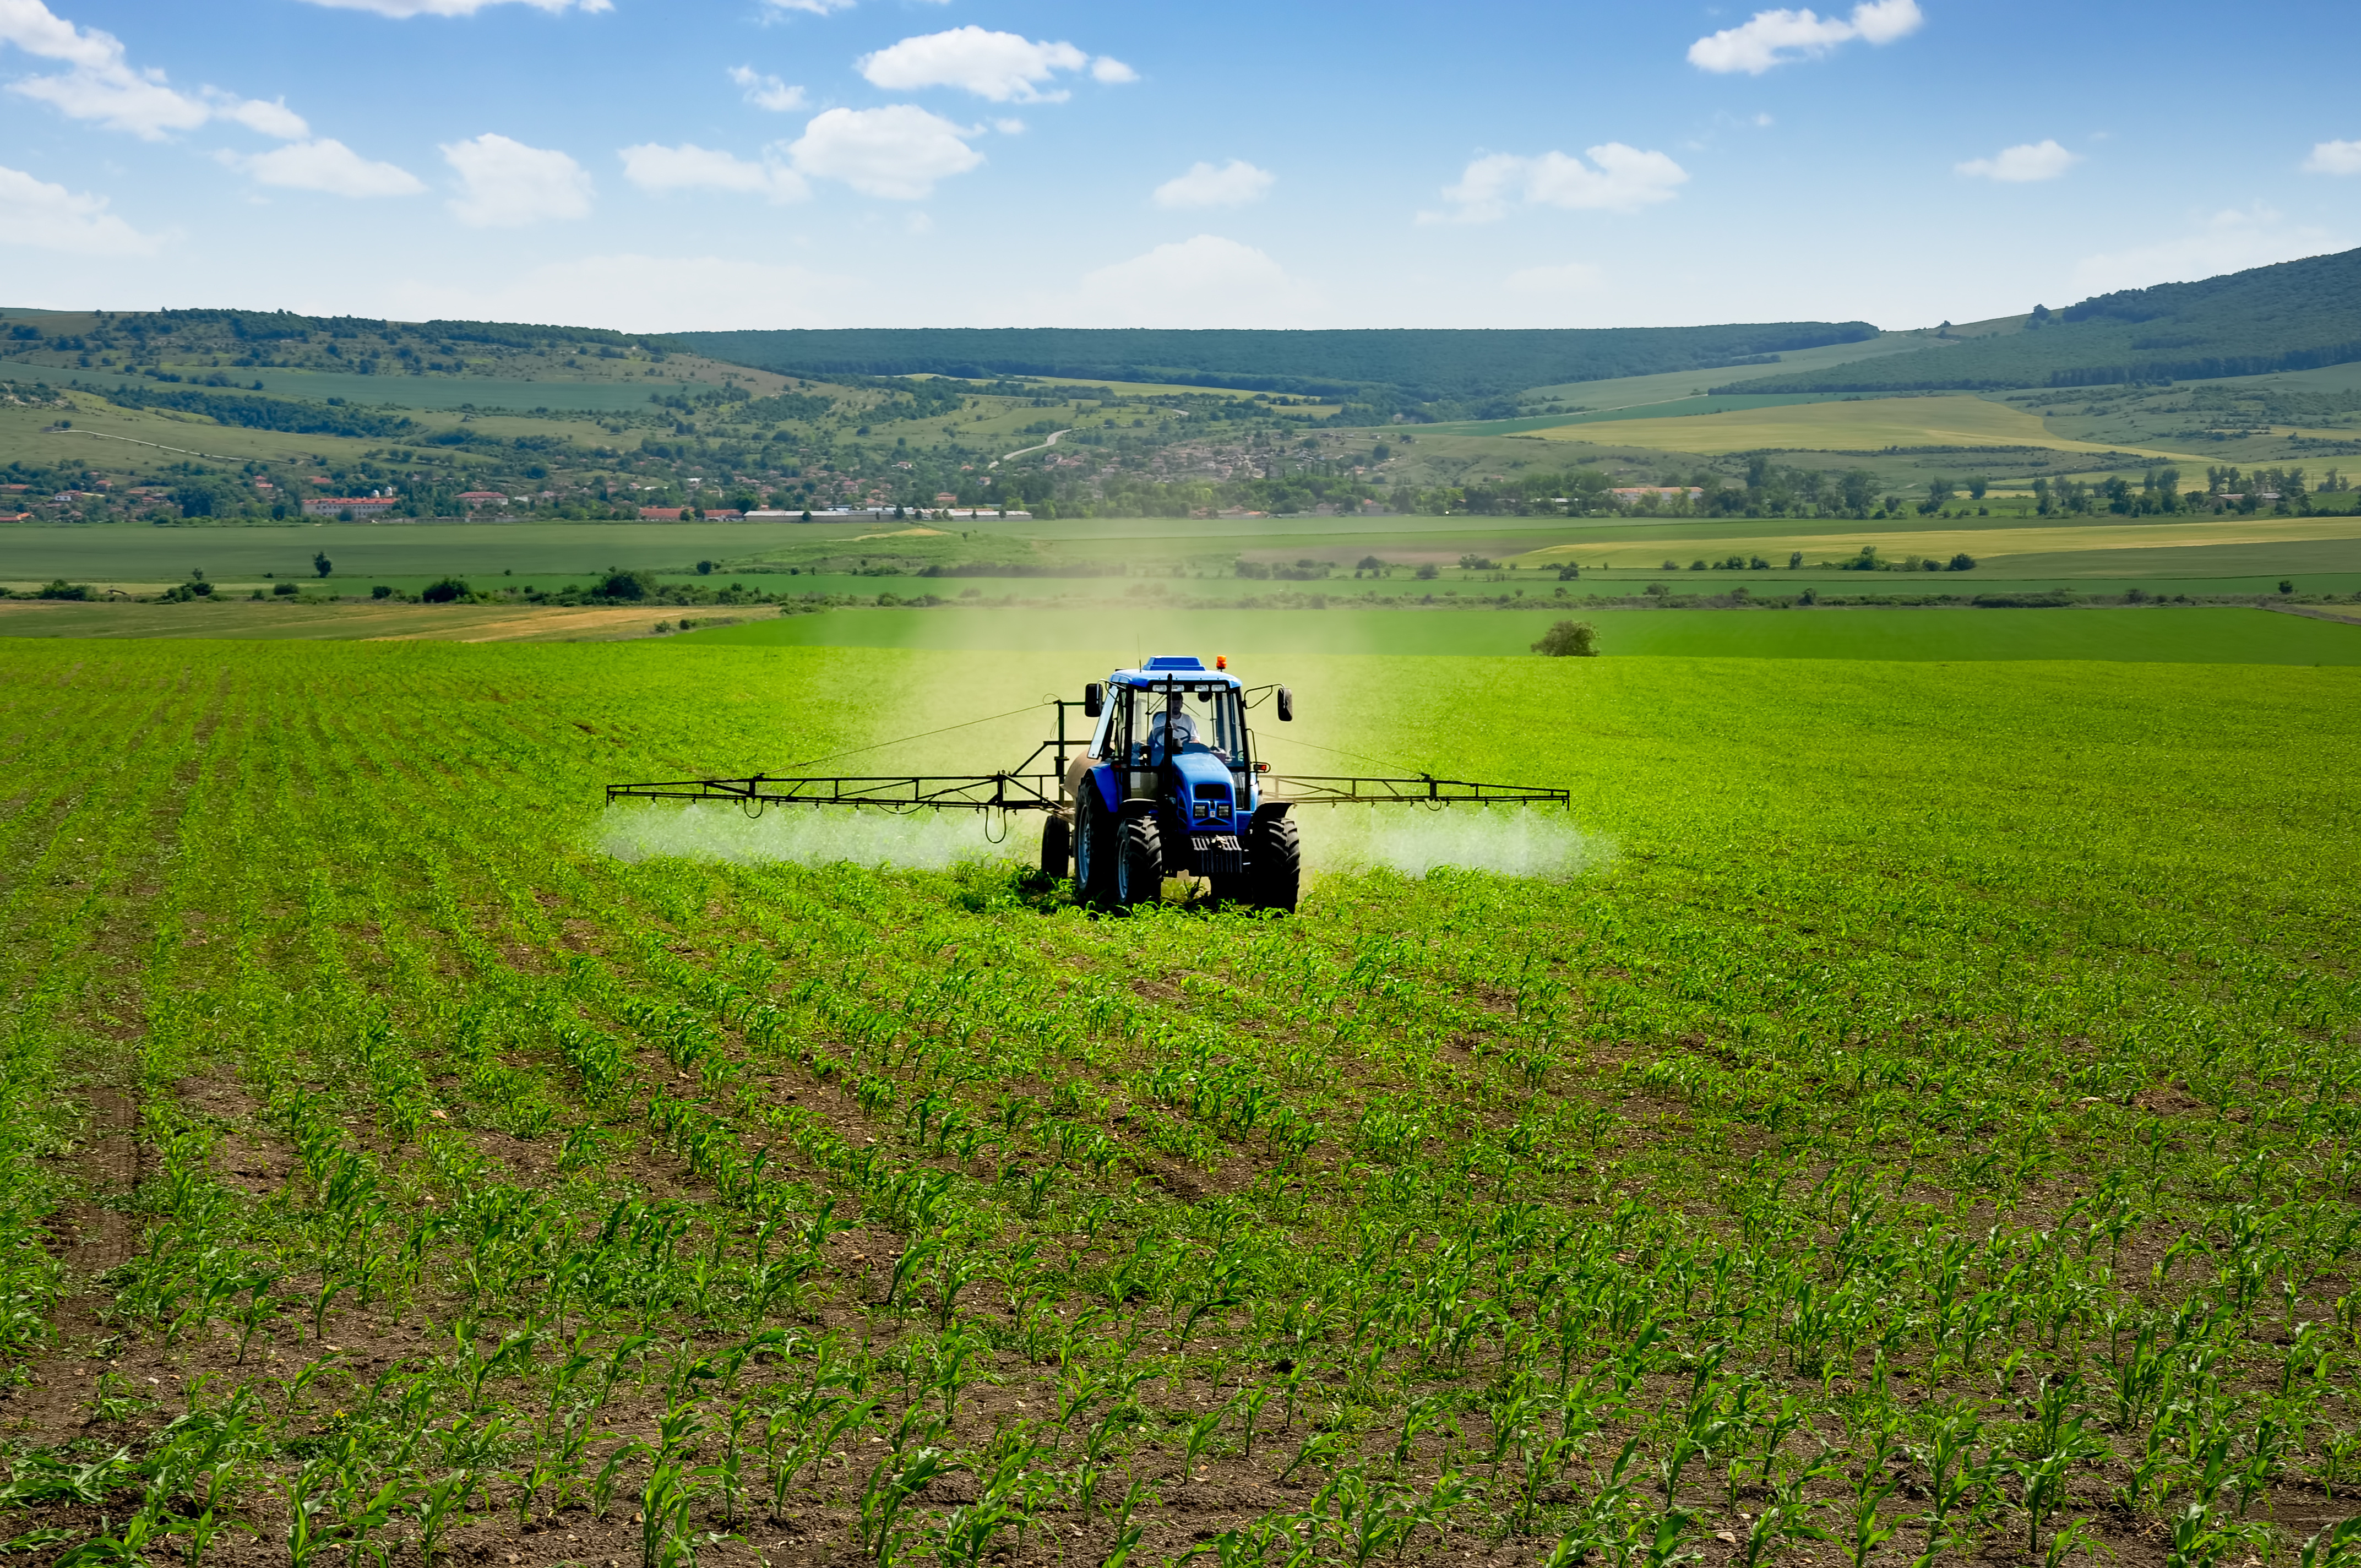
673 164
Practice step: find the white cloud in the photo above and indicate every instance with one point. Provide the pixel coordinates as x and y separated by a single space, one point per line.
1231 184
812 7
1568 278
1619 179
898 151
692 168
1206 281
506 184
326 165
102 84
645 293
407 8
1004 67
766 91
2334 158
2229 241
49 218
1775 37
2022 165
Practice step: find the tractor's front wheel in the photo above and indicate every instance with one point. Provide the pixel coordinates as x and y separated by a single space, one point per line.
1095 849
1140 864
1274 863
1057 846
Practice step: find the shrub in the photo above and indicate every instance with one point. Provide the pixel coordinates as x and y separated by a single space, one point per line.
443 590
59 588
1427 571
1963 562
1569 640
286 590
633 586
380 592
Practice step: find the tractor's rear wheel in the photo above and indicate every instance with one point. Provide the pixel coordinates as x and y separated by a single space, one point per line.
1274 863
1057 846
1094 829
1140 864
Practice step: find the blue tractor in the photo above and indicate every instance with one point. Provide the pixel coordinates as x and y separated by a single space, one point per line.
1169 785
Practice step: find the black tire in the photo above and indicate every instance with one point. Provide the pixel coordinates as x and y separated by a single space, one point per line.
1139 863
1056 846
1094 847
1274 863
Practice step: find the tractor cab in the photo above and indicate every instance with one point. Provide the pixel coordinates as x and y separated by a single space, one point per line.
1168 785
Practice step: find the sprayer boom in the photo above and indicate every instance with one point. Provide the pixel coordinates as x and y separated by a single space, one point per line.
1166 781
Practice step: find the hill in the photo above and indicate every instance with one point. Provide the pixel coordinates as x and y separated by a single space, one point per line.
1433 372
2294 315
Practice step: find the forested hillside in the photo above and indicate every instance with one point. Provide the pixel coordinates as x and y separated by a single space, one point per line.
1438 372
2295 315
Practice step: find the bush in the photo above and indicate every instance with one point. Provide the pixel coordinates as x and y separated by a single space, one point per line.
286 590
1427 571
633 586
1963 562
1569 640
380 592
59 588
443 590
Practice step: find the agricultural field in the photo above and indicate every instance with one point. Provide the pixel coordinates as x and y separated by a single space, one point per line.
1902 1115
1852 425
2169 634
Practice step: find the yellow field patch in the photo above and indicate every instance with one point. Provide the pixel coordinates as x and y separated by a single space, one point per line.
1947 542
1869 424
902 533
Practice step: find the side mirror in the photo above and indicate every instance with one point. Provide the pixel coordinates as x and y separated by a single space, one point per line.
1094 700
1286 706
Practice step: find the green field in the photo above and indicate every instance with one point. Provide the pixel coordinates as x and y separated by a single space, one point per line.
2172 635
1861 425
1892 1081
446 393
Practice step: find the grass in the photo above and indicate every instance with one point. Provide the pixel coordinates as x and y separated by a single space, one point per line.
2179 635
1928 1123
2332 537
1866 424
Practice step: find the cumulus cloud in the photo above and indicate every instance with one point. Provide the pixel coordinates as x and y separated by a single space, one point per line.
1206 281
1617 178
766 91
326 165
2334 158
100 85
1004 67
1775 37
692 168
1568 278
2022 164
405 8
1232 184
506 184
812 7
43 216
898 152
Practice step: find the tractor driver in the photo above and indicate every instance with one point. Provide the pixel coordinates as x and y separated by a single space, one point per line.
1173 731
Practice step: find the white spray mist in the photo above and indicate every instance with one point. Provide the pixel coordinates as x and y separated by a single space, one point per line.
817 835
1414 840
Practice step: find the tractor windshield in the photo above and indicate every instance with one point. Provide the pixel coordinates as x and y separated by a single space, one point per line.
1176 720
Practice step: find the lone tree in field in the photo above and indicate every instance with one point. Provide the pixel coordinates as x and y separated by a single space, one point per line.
321 563
1569 640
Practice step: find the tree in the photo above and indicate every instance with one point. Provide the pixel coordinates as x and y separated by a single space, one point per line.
1569 640
1977 485
321 563
443 590
1794 559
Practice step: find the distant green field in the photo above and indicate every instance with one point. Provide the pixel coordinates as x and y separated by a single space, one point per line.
444 392
2224 636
